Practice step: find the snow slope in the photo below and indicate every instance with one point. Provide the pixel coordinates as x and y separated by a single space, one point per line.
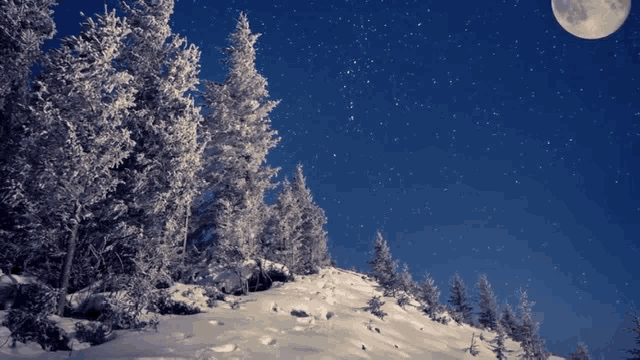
317 317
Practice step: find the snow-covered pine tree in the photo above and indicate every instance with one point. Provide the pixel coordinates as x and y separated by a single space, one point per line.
499 346
242 136
635 353
581 353
287 237
528 329
24 26
429 297
313 221
539 348
383 268
160 177
406 282
487 303
459 300
76 136
509 321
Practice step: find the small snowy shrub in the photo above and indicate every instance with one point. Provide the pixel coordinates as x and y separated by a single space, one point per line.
37 298
374 307
93 333
457 317
166 305
403 300
213 294
235 304
28 321
27 326
119 319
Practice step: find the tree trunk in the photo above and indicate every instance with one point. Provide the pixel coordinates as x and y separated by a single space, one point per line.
186 232
66 268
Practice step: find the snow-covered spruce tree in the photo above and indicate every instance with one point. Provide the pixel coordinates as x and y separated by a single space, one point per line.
528 329
242 139
406 282
313 220
286 242
499 346
487 303
160 177
24 26
581 353
406 285
75 137
539 348
459 300
509 321
429 297
635 353
383 268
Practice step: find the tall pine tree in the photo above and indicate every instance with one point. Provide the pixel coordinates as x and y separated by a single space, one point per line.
487 303
459 300
314 236
286 243
24 26
242 138
162 176
75 138
509 321
406 282
581 353
530 343
383 267
499 346
429 297
635 353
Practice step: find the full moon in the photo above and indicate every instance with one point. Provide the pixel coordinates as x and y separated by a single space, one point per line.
591 19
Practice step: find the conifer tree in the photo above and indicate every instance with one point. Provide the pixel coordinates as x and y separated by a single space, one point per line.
499 346
406 282
527 333
459 300
383 267
509 321
488 307
24 26
429 296
635 353
75 138
241 138
313 220
162 176
539 348
581 353
287 236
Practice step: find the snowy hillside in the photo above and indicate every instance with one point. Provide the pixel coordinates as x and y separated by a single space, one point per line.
320 316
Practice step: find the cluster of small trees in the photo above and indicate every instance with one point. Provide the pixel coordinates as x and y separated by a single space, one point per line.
104 155
505 323
519 328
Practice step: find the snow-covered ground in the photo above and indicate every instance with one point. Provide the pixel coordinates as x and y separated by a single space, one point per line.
316 317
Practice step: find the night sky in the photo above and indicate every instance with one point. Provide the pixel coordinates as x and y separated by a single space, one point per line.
478 136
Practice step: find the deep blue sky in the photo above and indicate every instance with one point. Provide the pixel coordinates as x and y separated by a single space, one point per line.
479 136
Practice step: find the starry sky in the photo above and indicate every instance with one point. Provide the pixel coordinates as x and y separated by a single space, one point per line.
478 136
